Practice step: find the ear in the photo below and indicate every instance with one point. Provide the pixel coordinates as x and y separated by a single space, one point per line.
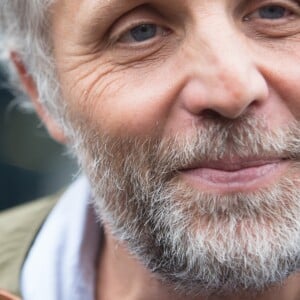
30 88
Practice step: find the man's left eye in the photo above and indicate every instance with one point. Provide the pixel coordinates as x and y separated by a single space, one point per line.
270 12
273 12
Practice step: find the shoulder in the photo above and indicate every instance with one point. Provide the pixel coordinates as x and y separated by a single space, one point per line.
18 228
13 218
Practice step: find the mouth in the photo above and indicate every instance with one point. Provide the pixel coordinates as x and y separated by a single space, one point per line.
235 175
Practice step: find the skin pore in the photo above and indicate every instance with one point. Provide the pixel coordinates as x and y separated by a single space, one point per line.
133 68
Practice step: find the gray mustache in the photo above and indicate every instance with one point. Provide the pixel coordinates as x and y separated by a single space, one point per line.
215 140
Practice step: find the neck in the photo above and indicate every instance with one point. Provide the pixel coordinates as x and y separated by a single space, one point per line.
122 276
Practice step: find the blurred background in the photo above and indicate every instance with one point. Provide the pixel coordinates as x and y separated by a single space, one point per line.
31 164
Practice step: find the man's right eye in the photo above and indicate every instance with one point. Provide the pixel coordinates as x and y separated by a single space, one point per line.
142 33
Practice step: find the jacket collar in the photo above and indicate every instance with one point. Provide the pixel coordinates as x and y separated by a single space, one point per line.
63 259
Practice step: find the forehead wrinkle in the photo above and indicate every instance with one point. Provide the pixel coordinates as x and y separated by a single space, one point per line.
94 12
107 6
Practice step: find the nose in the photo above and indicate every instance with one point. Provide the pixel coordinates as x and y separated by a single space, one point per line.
223 76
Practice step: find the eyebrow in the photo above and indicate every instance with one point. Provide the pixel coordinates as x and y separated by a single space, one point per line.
109 8
91 13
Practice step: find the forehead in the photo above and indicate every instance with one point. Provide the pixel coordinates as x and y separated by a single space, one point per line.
109 8
98 6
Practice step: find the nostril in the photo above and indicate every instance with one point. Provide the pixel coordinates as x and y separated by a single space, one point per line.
255 104
210 114
229 109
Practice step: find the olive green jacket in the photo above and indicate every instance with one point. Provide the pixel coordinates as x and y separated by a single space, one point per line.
18 229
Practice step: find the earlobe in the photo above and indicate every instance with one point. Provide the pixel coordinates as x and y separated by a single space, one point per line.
30 88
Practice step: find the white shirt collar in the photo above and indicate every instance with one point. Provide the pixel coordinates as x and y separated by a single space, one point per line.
62 262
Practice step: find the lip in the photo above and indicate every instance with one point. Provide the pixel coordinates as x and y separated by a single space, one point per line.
235 175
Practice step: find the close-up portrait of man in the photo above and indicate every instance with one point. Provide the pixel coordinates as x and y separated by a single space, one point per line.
184 117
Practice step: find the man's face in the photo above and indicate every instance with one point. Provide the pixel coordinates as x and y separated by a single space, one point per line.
187 115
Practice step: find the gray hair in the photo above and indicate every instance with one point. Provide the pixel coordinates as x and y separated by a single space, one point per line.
24 29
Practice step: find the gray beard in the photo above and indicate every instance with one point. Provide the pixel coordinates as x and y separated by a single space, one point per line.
199 243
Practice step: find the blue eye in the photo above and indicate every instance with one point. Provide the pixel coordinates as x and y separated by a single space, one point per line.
272 12
143 32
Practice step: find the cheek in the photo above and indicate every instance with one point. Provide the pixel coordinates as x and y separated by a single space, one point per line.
290 91
282 71
120 100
